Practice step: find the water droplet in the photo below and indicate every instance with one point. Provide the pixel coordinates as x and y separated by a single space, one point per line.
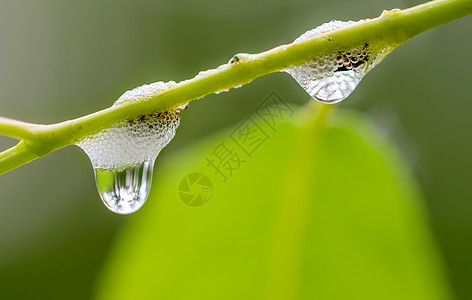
331 78
123 155
335 88
125 191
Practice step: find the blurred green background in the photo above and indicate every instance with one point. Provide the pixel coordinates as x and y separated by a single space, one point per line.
64 59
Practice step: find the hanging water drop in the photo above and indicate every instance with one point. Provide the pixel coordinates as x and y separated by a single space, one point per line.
125 191
123 155
334 88
331 78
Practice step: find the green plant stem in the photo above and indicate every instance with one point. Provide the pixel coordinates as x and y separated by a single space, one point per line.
17 129
392 27
16 156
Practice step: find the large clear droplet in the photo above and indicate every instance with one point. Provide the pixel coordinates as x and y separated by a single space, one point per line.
123 155
335 88
331 78
125 191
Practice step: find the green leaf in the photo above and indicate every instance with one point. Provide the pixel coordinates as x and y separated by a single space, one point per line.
319 210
